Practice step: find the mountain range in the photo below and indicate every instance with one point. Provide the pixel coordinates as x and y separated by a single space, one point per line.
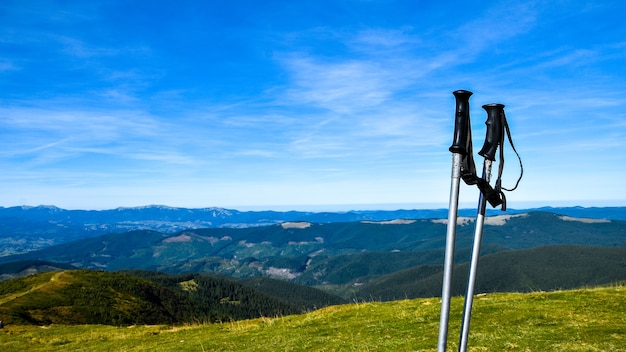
27 228
146 297
172 265
339 256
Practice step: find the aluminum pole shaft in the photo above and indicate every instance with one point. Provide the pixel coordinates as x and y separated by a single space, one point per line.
449 252
471 279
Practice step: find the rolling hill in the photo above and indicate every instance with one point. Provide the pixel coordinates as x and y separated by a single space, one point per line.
545 268
116 298
321 253
590 319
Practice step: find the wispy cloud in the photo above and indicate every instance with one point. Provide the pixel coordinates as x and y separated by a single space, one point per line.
379 42
49 135
342 87
80 49
363 106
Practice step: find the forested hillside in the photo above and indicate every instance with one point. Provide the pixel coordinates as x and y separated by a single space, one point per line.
315 253
537 269
115 298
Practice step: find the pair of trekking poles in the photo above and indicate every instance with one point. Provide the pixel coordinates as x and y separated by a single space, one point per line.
463 168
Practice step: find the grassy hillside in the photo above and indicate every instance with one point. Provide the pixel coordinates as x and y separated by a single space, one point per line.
86 297
543 268
96 297
566 321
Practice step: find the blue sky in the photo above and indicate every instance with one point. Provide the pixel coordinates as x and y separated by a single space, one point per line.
305 104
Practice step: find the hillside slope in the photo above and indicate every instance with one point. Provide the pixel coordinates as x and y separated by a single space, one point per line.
537 269
304 251
303 296
86 297
564 321
97 297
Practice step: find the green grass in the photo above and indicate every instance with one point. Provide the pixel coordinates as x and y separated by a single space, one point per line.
591 319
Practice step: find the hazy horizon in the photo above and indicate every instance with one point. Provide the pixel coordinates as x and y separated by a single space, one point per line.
357 207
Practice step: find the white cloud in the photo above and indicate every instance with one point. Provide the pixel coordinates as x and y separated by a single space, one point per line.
343 87
51 135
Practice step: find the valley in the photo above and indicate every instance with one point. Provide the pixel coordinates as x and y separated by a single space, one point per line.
296 266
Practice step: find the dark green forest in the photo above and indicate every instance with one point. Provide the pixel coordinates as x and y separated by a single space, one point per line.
125 298
537 269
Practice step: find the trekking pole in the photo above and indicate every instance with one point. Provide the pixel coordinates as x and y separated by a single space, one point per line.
494 137
461 147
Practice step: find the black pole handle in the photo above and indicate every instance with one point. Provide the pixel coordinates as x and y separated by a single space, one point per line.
461 122
495 130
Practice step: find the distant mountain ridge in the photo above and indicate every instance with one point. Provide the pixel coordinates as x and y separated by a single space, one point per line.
322 253
28 228
386 259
